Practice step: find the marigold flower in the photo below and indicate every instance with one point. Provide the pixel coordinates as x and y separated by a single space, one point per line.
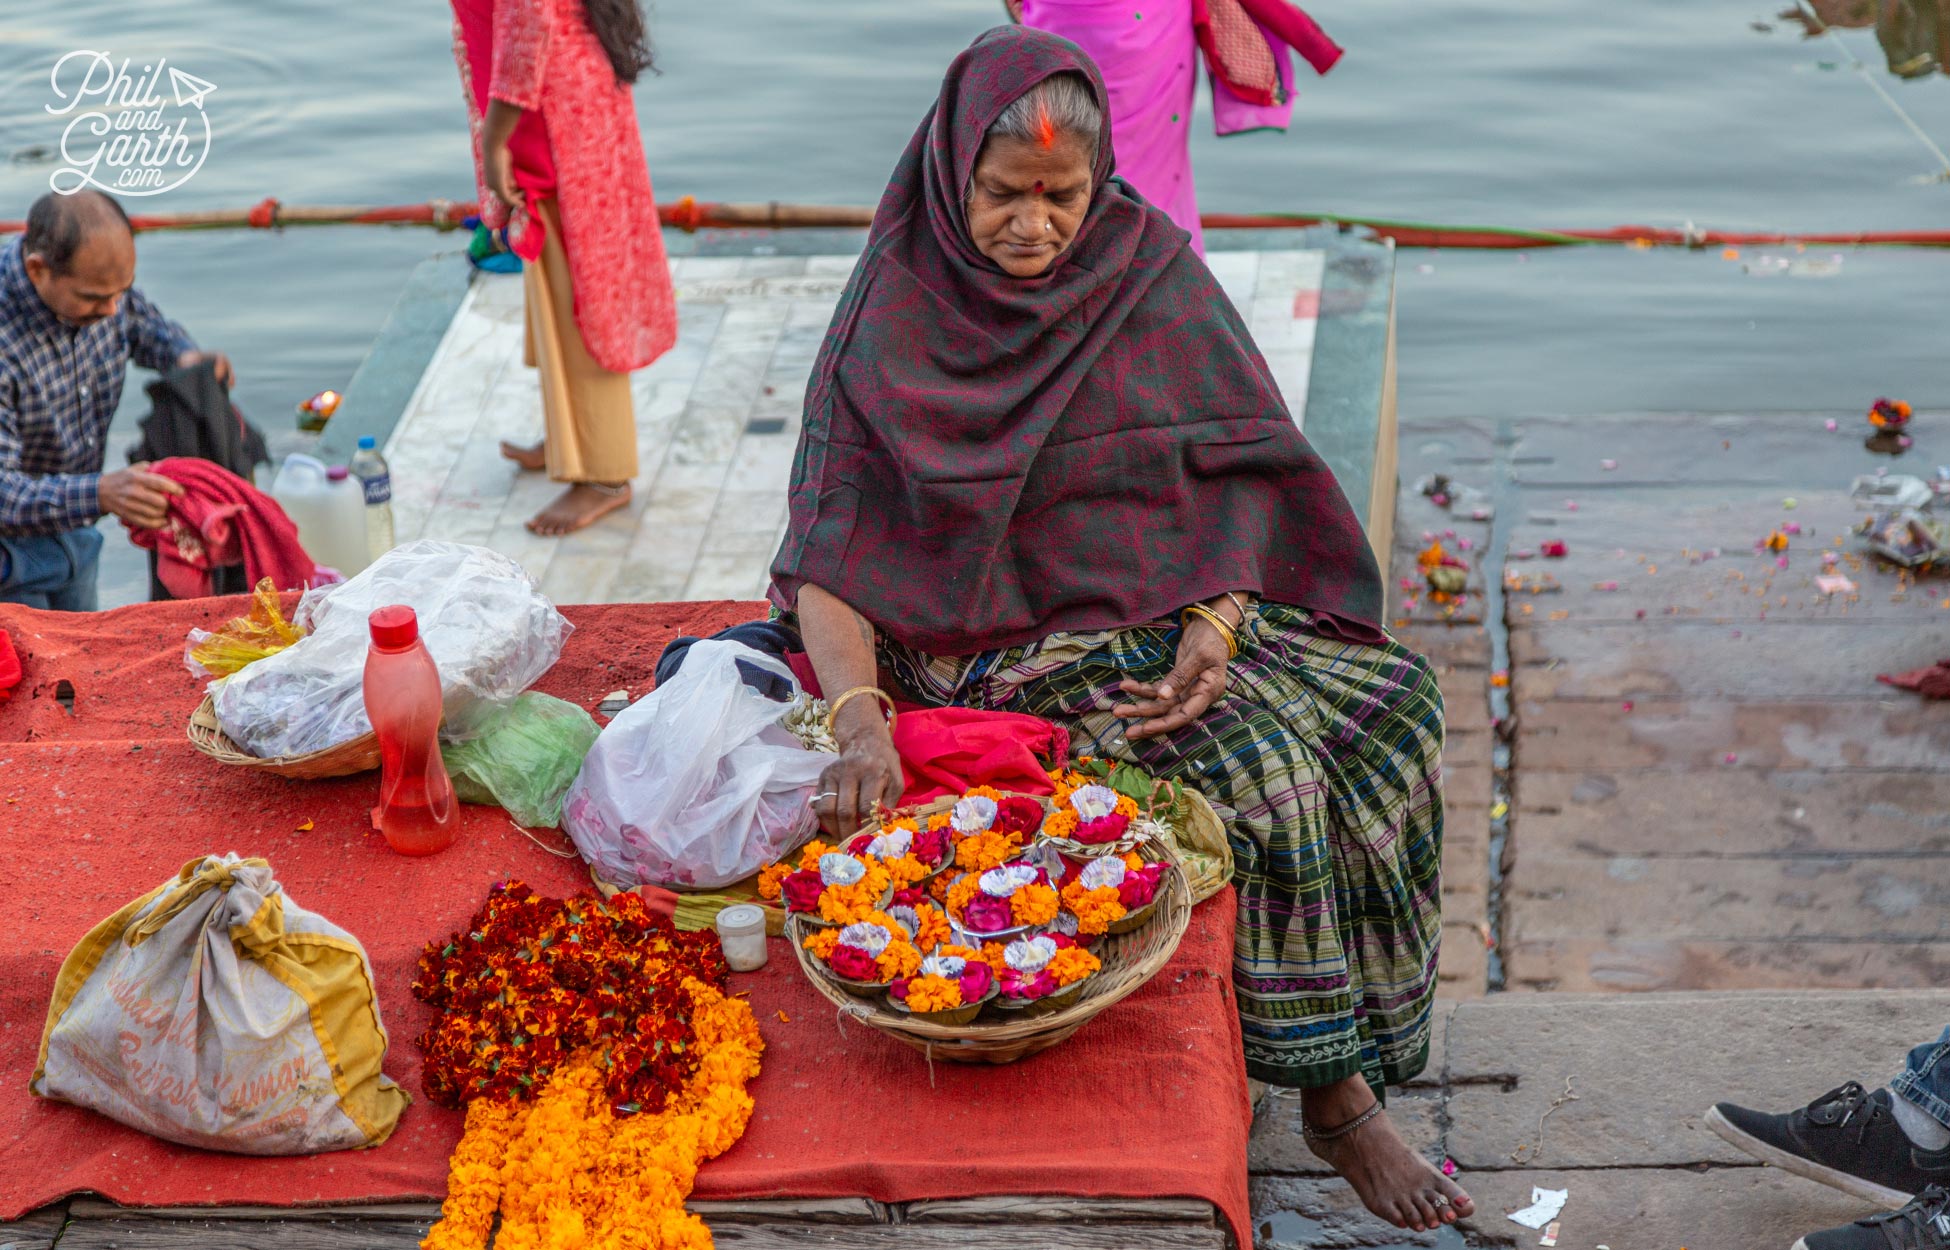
989 849
1096 910
1034 904
1061 823
1127 807
934 929
1072 964
900 959
906 871
769 878
925 994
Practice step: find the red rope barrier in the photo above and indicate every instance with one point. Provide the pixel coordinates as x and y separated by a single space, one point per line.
690 215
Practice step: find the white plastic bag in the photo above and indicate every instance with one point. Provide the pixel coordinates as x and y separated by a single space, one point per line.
216 1012
490 629
696 784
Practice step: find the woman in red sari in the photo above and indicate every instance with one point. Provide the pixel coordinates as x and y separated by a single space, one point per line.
559 160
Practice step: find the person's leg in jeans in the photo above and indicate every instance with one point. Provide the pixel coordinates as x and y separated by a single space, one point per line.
1922 1092
1885 1146
52 571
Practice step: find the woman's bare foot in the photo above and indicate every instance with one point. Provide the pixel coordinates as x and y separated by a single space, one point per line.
579 507
1393 1181
533 459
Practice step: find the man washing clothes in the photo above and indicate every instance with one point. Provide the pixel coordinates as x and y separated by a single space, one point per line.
71 320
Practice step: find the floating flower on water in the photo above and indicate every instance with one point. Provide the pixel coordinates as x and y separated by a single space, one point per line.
1776 541
1831 424
1889 414
1554 549
1605 586
1608 465
1500 678
1792 528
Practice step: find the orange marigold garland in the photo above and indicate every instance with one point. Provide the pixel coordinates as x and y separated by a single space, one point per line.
626 1069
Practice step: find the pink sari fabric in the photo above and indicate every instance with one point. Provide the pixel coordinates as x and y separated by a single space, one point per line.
583 147
1149 60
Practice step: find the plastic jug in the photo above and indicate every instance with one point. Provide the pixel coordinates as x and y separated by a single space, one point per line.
329 508
417 812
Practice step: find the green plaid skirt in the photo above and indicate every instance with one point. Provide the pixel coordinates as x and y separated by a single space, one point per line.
1324 759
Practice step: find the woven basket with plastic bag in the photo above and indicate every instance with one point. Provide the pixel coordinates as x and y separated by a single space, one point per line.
215 1012
696 784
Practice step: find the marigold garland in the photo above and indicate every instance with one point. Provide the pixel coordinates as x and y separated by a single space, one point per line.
550 1150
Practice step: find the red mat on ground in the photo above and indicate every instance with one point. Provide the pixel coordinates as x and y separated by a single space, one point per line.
104 800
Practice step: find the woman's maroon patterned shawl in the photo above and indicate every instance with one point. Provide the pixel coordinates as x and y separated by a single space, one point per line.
987 460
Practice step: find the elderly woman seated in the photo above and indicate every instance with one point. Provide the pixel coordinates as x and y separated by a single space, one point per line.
1044 469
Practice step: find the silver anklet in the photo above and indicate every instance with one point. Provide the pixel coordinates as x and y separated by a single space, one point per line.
1330 1134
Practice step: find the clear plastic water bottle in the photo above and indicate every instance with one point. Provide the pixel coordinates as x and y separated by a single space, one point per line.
373 474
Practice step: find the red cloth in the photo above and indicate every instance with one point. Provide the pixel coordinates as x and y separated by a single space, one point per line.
221 519
9 667
96 822
946 750
1932 682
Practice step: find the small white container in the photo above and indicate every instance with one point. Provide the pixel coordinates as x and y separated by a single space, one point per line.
741 931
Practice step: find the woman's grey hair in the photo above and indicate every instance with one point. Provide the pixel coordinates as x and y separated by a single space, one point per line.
1060 104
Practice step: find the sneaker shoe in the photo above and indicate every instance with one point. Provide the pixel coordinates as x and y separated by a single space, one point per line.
1922 1225
1847 1138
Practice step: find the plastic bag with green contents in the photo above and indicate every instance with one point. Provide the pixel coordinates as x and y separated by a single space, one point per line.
525 759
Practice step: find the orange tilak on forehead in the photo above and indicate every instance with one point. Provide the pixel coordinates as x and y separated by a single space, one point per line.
1045 126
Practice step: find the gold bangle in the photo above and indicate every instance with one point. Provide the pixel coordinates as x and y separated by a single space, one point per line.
1218 622
833 708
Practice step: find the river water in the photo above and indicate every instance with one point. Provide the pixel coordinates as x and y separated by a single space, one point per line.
1554 113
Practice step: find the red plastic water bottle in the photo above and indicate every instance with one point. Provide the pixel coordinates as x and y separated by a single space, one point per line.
416 811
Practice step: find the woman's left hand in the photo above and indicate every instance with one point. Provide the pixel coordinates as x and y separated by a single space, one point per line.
1193 684
499 165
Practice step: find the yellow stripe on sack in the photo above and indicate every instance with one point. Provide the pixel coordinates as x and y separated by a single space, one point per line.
310 966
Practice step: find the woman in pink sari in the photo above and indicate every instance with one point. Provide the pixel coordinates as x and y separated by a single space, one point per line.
1149 54
559 160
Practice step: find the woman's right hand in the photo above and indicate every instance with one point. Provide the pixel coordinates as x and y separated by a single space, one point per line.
866 775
